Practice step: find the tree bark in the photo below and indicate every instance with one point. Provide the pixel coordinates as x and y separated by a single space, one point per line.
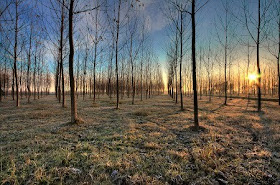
226 47
74 115
132 70
258 56
29 64
95 55
61 53
196 123
117 48
34 72
15 54
278 65
181 60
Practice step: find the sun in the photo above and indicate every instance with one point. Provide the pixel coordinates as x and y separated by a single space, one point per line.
253 77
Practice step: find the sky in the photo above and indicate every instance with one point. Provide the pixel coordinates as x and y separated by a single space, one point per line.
160 24
159 30
160 27
206 19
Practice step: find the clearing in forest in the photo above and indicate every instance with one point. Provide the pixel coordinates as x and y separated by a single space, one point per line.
150 142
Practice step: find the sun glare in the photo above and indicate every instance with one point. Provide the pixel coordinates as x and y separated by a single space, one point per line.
252 77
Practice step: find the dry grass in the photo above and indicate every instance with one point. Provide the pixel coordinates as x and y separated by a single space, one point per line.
141 113
151 142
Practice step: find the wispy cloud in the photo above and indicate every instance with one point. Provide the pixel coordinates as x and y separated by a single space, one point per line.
154 17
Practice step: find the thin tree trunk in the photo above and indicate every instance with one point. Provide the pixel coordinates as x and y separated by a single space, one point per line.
196 123
61 53
95 56
74 115
278 65
132 70
176 64
29 65
181 60
141 81
15 55
94 72
258 56
20 81
226 45
34 72
4 86
13 85
117 47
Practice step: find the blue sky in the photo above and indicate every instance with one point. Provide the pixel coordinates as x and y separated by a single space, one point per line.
159 23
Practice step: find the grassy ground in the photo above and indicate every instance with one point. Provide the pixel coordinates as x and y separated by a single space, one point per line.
148 143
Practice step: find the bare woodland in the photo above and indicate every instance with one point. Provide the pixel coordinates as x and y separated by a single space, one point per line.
89 76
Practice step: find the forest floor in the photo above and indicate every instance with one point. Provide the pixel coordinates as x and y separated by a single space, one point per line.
151 142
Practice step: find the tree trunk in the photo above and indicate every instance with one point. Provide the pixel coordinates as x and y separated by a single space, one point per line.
77 77
61 53
20 81
56 79
175 68
196 124
4 85
181 60
34 72
258 56
15 54
278 65
117 48
74 115
13 85
141 76
226 45
95 55
132 70
29 64
94 72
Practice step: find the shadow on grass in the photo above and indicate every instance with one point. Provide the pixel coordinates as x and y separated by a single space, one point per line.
218 108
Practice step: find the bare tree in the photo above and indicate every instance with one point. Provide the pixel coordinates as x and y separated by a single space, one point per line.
61 52
98 37
29 62
193 12
273 45
74 115
260 25
17 3
225 25
117 49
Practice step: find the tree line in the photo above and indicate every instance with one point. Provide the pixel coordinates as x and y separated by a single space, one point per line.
105 45
243 40
108 50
